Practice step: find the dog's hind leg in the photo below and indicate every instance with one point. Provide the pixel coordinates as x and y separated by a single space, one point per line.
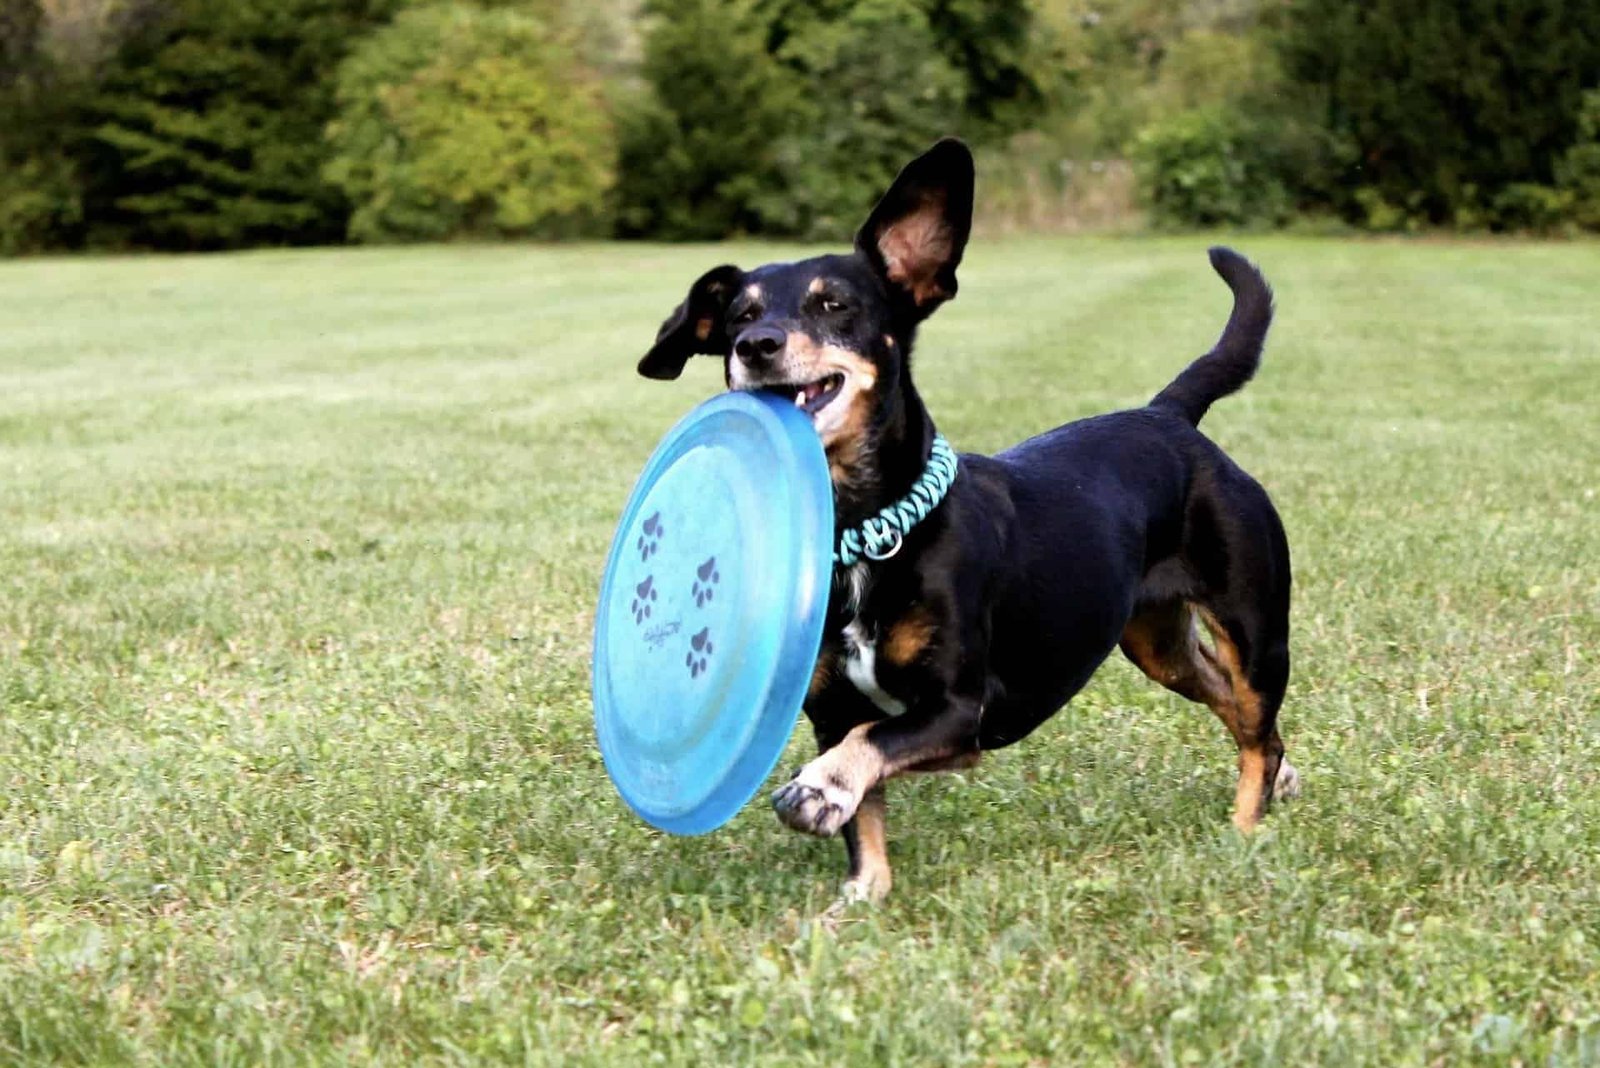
1241 679
1256 664
1163 642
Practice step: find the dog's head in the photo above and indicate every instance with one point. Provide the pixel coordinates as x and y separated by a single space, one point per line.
833 333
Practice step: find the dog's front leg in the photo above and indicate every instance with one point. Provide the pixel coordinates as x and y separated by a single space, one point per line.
867 842
825 795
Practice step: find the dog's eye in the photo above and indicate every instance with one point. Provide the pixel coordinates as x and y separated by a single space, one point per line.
831 306
744 315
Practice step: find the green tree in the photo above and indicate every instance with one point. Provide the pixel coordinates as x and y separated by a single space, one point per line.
209 125
20 22
996 46
999 48
1446 103
455 120
703 149
41 199
1578 171
1134 63
787 116
882 92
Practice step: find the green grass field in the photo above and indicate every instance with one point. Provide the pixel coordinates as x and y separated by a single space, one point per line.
298 554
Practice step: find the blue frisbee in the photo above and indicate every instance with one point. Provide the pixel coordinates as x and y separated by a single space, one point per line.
711 610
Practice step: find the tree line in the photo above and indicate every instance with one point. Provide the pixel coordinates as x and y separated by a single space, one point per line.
203 124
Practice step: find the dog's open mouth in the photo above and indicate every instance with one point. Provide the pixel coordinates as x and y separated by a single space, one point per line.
810 397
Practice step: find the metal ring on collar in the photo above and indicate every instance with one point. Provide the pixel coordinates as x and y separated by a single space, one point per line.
897 541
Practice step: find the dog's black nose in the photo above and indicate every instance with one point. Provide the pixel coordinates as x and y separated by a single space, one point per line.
759 343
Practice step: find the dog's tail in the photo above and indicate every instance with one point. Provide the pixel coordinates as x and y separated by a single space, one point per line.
1234 359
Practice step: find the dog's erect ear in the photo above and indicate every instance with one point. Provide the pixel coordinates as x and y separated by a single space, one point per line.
695 326
918 231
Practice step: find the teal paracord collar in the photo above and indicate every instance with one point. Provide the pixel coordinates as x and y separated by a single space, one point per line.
879 537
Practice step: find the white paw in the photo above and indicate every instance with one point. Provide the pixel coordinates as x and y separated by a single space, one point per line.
1287 784
817 807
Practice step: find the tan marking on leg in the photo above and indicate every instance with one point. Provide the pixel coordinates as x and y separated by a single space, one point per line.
1242 711
909 636
870 877
1259 758
1164 642
1249 797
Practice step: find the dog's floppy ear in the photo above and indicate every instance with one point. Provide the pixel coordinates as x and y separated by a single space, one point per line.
918 231
695 326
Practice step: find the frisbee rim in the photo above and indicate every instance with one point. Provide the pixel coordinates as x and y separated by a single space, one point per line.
763 737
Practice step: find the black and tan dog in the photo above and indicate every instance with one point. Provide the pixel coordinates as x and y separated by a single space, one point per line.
1130 528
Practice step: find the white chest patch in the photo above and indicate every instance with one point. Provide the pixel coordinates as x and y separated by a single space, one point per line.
855 581
860 666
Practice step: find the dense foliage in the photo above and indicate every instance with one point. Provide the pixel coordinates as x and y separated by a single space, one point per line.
1211 167
40 202
789 118
208 130
1578 170
198 124
1003 76
1448 105
699 151
455 120
879 92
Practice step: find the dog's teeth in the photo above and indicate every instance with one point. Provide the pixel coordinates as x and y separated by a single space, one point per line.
800 399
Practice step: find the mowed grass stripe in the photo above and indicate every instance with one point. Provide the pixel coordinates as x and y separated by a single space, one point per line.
298 553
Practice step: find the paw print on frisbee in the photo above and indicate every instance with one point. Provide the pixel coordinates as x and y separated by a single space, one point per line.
705 585
650 541
644 597
700 650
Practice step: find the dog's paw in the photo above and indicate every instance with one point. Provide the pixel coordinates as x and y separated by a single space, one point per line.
870 887
857 898
819 810
1287 785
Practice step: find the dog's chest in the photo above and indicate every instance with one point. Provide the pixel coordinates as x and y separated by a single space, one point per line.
858 654
861 666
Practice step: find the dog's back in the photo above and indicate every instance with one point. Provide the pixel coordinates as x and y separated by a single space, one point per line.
1157 508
